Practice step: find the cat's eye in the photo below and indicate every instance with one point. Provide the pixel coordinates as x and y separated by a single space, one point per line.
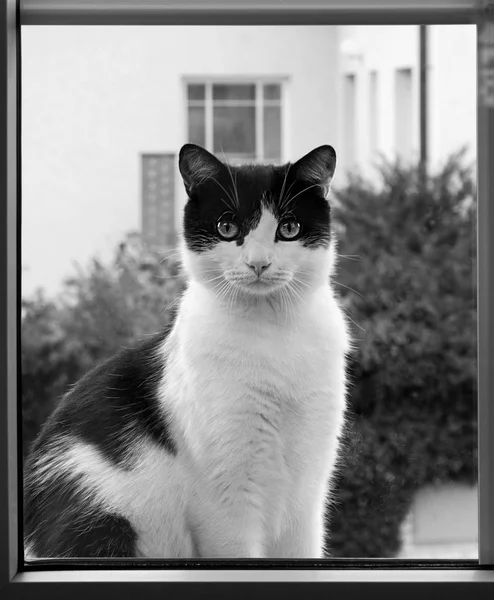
227 229
288 230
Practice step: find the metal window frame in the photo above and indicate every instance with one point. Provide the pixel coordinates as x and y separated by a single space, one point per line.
349 580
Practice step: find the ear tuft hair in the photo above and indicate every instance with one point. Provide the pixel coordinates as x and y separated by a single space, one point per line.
197 165
317 167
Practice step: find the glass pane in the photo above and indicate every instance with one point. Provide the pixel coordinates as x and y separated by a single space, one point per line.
196 91
403 108
272 132
234 129
234 92
272 91
197 128
406 273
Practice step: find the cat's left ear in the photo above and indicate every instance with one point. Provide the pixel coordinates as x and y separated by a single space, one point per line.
317 167
197 165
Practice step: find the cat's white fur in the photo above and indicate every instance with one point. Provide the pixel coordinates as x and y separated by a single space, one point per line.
255 386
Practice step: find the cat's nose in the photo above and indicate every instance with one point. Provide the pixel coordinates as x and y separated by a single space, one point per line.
258 266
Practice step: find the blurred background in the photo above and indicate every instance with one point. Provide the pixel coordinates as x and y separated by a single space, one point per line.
105 111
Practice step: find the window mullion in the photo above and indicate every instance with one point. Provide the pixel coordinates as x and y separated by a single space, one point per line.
209 116
259 116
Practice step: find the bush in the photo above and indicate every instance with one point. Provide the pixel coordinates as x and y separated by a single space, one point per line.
413 392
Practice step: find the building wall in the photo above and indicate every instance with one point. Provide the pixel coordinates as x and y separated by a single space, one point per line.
453 91
95 98
451 94
380 50
442 523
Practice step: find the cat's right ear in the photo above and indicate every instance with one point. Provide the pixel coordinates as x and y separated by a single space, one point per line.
317 167
197 165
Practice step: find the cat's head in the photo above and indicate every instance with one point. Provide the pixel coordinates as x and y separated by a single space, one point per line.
257 229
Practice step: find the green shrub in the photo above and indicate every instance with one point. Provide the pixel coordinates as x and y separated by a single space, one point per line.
413 374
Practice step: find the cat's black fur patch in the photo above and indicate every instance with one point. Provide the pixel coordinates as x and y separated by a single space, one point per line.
60 522
109 407
242 192
116 396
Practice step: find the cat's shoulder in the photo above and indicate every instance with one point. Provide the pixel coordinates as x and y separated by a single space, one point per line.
115 403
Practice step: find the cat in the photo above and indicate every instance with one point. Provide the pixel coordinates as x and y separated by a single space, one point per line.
217 438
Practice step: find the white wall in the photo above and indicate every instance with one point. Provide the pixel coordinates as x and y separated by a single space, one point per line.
451 93
383 50
453 90
442 523
94 98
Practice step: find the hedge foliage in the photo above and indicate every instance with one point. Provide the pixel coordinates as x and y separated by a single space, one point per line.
408 252
407 280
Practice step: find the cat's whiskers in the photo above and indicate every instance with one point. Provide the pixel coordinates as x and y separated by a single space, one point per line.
234 183
285 204
284 307
234 296
283 185
222 290
297 291
347 313
292 198
172 303
301 281
213 279
347 287
167 254
355 257
231 206
290 305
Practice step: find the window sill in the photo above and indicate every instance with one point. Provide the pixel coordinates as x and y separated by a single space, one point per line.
353 576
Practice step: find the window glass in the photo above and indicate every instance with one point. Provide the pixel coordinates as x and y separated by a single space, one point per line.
196 91
373 111
225 92
272 132
234 130
105 112
197 125
403 111
272 91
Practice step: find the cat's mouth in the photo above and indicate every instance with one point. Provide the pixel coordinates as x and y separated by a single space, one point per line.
259 285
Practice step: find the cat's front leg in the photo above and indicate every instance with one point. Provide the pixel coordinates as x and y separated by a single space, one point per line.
302 535
225 532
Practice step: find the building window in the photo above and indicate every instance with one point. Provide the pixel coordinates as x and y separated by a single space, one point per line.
350 120
240 122
373 112
158 200
403 113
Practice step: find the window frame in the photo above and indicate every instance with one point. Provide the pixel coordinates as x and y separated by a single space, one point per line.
342 578
259 104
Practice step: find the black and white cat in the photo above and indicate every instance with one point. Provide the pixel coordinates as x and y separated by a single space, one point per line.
217 439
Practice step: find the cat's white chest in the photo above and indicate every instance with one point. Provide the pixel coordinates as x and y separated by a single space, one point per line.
260 405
